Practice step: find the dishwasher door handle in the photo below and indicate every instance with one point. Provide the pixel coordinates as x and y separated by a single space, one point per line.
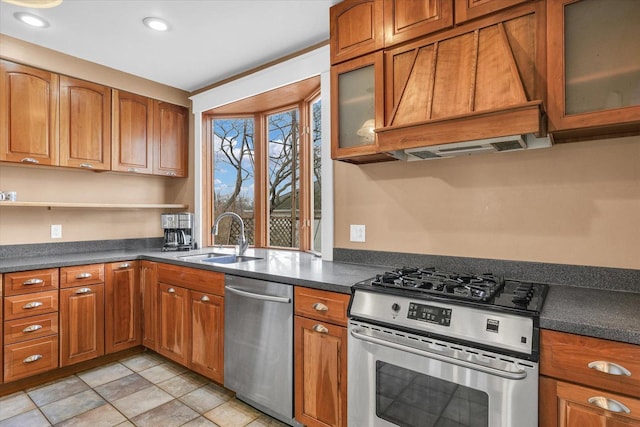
272 298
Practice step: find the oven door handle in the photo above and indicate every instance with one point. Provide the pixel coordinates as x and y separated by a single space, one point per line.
518 375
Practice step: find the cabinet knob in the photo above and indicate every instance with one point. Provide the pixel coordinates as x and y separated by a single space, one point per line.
33 282
171 291
609 404
83 276
86 165
609 368
29 160
320 307
320 329
205 298
32 328
83 291
32 358
32 304
125 265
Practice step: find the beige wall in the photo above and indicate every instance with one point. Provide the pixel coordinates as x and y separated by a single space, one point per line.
571 204
19 225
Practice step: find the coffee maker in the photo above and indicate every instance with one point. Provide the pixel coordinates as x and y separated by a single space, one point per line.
178 231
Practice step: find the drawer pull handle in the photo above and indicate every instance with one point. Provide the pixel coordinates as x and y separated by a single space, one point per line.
205 298
33 282
83 291
125 265
132 170
171 174
171 291
320 329
32 328
32 358
320 307
83 276
29 160
86 165
609 404
32 304
609 368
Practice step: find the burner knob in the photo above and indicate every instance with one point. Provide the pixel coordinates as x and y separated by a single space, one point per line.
395 307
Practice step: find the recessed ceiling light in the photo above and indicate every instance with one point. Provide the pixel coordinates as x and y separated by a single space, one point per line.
156 24
35 3
29 19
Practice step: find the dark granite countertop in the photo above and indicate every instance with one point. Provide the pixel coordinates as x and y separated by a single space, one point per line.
600 313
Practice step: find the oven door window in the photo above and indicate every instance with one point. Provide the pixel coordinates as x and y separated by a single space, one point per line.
411 399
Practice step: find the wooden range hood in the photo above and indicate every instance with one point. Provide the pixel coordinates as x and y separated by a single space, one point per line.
482 81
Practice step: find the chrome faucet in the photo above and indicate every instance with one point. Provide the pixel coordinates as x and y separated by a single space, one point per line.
243 243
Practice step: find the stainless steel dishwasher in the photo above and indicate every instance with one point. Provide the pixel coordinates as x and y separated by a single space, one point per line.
258 344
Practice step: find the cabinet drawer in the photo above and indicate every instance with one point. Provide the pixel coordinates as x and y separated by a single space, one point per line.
30 281
29 358
192 278
81 275
30 328
580 359
321 305
19 306
583 400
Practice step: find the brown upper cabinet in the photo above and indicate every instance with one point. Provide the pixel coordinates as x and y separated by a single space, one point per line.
593 68
28 114
356 28
472 9
407 20
85 124
170 139
132 143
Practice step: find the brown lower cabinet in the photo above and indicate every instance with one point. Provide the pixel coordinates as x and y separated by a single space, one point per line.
122 306
320 357
149 294
173 322
584 382
207 334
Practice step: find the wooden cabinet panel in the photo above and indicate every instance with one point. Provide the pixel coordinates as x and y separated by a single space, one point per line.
191 278
406 20
173 323
28 114
321 305
81 323
207 335
472 9
28 358
356 28
31 281
320 373
148 289
19 306
170 135
28 328
85 124
122 306
81 275
579 407
593 69
132 135
568 356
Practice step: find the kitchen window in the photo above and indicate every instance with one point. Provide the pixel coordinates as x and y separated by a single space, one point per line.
265 166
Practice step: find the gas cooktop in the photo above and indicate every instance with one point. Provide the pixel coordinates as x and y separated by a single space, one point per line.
488 290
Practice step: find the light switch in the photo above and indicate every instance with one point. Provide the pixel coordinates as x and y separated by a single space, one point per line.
357 233
56 231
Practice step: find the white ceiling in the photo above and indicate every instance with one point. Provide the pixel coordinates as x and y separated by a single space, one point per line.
208 40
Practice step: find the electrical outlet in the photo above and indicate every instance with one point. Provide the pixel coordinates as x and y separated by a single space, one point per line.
56 231
357 233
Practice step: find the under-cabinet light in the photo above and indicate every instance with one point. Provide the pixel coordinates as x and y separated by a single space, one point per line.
30 19
156 24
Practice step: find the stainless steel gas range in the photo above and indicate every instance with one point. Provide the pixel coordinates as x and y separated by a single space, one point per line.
437 349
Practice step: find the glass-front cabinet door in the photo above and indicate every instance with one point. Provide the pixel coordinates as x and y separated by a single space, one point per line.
594 66
357 109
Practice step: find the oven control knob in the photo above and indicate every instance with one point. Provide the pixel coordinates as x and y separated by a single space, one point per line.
395 307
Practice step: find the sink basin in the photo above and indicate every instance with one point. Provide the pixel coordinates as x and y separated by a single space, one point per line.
218 258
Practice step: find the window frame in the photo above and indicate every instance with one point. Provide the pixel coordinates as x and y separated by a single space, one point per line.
261 179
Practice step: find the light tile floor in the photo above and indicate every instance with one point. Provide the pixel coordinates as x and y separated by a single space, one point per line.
141 390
